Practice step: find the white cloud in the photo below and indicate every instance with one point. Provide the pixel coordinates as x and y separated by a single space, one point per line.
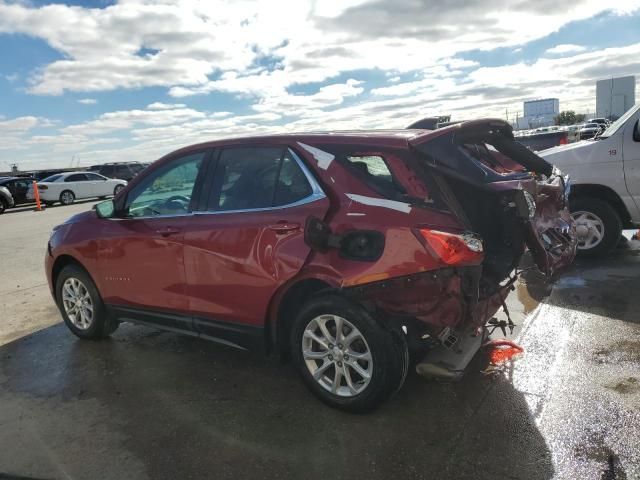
289 71
19 125
565 48
165 106
88 101
193 44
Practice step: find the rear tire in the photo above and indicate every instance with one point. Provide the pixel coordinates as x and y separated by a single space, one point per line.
602 221
67 197
81 306
116 190
360 368
3 205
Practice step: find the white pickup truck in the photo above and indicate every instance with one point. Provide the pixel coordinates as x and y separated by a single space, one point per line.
605 183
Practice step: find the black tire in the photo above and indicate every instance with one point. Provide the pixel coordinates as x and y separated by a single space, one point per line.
388 349
49 204
3 205
66 199
610 220
117 189
102 324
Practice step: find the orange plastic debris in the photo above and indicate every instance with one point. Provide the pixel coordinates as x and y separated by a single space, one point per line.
502 351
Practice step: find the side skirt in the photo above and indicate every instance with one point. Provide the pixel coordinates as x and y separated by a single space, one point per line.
243 337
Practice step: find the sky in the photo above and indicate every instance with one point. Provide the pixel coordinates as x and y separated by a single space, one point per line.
86 82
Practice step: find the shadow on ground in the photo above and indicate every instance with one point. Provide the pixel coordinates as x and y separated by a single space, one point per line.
160 405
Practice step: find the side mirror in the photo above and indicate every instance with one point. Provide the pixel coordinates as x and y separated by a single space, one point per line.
105 209
636 131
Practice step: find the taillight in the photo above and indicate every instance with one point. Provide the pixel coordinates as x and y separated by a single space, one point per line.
451 248
42 187
563 140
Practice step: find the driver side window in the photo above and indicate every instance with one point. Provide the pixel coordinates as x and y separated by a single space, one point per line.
167 191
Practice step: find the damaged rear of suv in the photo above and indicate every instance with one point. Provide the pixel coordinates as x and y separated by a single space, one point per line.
352 253
424 242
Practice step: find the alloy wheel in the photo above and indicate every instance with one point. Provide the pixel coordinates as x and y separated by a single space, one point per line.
590 229
77 303
337 355
66 198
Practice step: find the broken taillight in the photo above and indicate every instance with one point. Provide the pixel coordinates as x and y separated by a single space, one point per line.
451 248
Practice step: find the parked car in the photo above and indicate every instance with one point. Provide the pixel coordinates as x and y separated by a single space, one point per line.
122 170
603 123
348 252
605 190
589 130
6 199
69 186
18 186
42 174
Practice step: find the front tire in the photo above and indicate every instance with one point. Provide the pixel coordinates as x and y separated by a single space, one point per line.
598 224
81 306
116 190
67 197
346 358
3 206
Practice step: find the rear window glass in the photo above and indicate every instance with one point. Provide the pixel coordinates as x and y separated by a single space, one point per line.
52 178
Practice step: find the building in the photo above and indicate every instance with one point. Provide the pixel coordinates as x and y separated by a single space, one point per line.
615 96
539 113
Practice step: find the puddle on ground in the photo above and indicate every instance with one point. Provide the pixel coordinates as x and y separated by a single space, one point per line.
597 451
626 386
622 351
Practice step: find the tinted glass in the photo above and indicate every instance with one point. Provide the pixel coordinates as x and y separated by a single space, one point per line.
76 177
167 191
122 170
292 184
107 170
246 178
95 177
52 178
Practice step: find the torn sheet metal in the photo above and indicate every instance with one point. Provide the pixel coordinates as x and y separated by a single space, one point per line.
380 202
323 158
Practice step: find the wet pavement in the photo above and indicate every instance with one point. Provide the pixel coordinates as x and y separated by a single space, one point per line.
147 404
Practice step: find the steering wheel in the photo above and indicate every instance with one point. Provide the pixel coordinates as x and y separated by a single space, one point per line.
182 198
176 202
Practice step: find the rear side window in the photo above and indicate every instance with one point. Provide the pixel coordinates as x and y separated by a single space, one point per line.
292 185
376 170
249 178
94 177
122 170
386 171
76 177
51 179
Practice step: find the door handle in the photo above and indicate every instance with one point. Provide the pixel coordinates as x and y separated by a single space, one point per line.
166 231
284 227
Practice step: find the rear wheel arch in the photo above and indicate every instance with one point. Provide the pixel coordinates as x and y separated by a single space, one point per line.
604 193
291 301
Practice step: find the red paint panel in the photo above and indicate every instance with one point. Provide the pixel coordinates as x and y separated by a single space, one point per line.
237 261
139 266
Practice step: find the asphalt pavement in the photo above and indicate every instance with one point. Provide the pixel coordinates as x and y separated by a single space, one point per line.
152 405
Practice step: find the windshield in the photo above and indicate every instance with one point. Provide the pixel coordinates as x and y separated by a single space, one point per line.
613 128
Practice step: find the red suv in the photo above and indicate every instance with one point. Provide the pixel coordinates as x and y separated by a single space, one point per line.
348 252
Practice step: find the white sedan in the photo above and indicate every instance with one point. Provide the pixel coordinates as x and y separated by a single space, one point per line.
69 186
